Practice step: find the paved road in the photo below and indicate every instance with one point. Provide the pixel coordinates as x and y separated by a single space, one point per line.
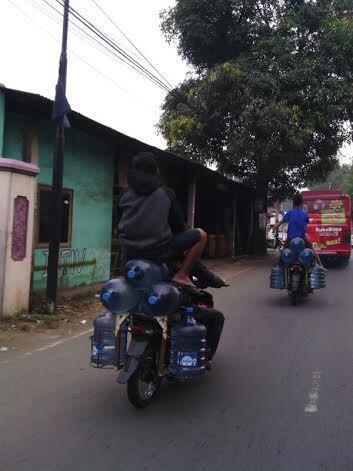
279 397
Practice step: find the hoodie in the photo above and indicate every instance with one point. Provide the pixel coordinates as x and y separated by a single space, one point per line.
148 213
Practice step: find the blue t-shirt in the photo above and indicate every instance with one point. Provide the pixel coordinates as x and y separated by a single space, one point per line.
297 220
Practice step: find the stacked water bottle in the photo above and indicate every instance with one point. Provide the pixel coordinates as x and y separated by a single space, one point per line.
297 253
145 289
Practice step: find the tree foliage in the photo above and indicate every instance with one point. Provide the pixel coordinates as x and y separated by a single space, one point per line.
270 91
347 182
333 180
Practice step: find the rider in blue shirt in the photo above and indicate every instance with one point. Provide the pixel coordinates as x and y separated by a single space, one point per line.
297 220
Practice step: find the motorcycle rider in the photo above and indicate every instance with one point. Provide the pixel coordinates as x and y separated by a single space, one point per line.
297 220
151 226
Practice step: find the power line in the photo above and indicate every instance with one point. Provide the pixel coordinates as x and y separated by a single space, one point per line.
121 44
94 38
80 31
166 85
130 42
78 27
124 56
113 49
128 60
183 98
78 56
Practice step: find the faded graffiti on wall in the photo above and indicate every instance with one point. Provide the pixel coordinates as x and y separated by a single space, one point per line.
70 262
73 261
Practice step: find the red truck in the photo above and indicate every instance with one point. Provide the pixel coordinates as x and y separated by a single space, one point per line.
330 222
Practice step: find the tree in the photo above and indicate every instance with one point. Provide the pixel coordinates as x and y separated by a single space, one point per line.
340 178
271 87
334 179
347 182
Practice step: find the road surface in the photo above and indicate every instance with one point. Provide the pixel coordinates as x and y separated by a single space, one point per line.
279 396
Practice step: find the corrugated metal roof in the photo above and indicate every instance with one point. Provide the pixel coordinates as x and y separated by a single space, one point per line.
26 102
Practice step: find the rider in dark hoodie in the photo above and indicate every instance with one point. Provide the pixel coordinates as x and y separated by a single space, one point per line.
151 224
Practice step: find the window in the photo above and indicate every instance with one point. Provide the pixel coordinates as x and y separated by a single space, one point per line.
30 144
27 146
44 208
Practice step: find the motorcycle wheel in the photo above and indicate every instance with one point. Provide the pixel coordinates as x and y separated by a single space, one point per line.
294 298
144 383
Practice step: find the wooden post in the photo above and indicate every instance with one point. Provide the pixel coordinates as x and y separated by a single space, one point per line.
234 235
191 202
123 167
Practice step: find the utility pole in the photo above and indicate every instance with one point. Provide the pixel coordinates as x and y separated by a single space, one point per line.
60 109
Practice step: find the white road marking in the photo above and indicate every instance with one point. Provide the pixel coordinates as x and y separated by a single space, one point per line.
51 345
314 393
239 272
59 342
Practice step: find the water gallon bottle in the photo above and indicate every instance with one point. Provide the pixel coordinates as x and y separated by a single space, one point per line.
162 299
306 257
187 347
103 340
297 245
142 274
287 256
277 277
317 277
119 296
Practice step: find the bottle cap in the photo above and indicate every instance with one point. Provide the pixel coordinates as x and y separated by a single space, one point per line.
153 299
106 296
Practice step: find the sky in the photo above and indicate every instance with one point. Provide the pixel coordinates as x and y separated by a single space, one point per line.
99 86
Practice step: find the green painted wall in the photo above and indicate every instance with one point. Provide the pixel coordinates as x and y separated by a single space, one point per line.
13 136
89 172
2 121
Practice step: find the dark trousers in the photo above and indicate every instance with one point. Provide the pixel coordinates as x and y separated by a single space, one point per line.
175 250
213 320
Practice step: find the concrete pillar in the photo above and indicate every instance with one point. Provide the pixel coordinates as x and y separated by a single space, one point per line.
2 120
191 202
17 200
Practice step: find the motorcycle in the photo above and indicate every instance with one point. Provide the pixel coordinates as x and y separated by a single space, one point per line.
149 332
297 271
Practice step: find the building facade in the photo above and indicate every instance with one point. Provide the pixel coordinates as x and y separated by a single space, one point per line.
97 159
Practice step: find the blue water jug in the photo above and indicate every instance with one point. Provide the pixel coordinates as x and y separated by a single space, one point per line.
162 299
119 296
277 277
187 347
306 257
287 256
317 277
142 274
297 245
103 340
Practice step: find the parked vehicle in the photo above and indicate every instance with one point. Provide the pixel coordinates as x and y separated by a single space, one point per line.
297 272
330 223
149 331
275 240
